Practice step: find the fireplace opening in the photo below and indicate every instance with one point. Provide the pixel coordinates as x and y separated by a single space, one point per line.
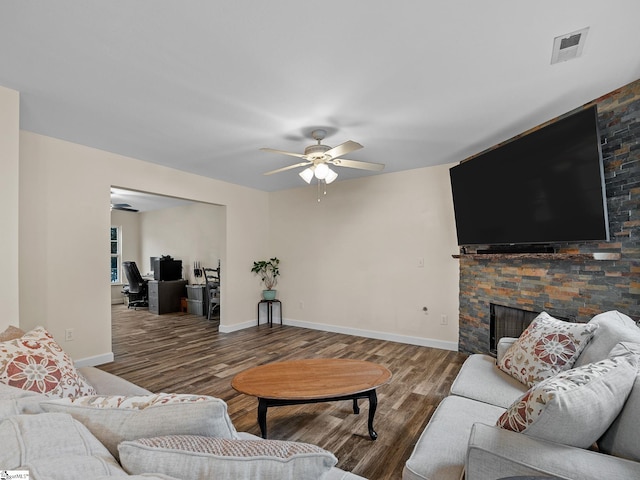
507 322
510 322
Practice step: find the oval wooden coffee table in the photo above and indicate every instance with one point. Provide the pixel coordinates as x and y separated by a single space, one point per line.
314 380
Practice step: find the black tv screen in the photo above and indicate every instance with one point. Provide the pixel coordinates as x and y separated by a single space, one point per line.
542 188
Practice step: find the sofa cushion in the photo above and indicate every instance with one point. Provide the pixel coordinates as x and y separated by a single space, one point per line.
106 383
36 362
116 418
613 327
480 379
193 457
11 333
546 347
54 446
621 439
575 407
441 449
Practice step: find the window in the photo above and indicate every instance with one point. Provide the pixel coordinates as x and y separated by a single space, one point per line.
116 251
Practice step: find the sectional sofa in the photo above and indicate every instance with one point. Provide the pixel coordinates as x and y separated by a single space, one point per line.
59 422
506 417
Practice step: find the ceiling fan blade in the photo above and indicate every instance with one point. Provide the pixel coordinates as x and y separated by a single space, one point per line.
272 150
343 162
125 209
302 164
344 148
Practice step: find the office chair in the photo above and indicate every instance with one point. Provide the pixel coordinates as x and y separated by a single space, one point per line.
138 286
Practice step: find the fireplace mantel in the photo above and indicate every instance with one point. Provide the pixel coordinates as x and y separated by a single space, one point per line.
578 257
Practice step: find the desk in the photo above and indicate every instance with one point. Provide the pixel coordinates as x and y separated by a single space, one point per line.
269 304
164 297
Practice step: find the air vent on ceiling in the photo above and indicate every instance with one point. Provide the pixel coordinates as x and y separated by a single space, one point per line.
569 46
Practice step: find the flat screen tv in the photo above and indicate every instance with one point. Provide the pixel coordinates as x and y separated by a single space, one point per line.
542 188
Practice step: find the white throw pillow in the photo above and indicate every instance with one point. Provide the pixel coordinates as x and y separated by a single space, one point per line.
546 347
15 401
191 457
54 446
575 407
116 418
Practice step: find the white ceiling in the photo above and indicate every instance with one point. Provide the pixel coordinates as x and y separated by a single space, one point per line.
201 85
144 202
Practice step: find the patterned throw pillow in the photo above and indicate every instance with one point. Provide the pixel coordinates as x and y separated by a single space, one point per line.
11 333
192 457
575 407
546 347
35 362
115 418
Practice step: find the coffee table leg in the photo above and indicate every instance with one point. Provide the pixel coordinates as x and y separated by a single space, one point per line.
262 416
373 404
356 408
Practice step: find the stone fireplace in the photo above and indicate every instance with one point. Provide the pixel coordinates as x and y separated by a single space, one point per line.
570 284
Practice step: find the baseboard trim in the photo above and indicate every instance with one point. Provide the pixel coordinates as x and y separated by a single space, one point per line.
236 327
392 337
95 360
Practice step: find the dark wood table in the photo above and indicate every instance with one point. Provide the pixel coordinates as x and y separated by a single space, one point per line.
314 380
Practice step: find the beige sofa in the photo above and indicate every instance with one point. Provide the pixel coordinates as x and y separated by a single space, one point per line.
462 440
103 435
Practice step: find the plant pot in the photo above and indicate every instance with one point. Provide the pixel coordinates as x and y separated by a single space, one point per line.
269 294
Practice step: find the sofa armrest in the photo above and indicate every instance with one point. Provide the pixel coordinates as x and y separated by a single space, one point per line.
503 345
106 383
496 453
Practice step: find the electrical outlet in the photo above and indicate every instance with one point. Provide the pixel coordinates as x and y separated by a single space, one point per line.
444 320
68 334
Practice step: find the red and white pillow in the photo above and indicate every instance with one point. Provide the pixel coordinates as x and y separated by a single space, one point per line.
548 346
35 362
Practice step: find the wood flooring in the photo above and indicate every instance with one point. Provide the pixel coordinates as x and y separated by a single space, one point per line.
183 353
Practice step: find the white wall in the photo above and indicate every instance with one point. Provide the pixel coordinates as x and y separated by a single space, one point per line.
350 262
9 180
189 233
129 222
64 220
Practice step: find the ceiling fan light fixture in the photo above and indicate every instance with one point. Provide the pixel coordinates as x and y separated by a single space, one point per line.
331 176
307 174
322 170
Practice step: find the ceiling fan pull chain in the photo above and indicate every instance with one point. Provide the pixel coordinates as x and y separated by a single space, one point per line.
318 191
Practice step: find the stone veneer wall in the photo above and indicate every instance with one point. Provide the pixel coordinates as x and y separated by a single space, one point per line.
571 287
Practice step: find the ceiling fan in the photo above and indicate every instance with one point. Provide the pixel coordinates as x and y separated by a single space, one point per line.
123 206
317 159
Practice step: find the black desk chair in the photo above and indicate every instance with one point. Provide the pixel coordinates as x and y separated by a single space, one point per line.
138 290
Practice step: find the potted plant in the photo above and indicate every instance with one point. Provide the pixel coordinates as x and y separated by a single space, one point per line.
268 272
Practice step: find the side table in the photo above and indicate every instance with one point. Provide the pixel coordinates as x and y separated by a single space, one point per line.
269 304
